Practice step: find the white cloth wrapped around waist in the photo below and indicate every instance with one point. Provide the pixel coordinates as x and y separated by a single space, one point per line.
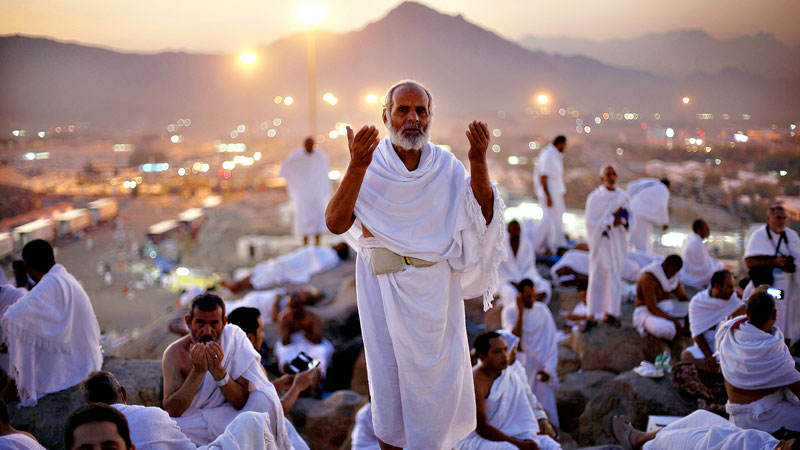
608 244
753 359
641 314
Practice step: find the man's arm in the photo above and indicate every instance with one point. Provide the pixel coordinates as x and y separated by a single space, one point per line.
237 391
179 392
478 136
546 189
300 383
649 295
701 342
483 428
339 215
764 260
680 293
285 326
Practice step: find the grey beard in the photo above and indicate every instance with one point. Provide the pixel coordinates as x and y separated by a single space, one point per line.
399 140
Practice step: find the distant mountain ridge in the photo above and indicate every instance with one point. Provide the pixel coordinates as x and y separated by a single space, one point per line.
470 71
681 53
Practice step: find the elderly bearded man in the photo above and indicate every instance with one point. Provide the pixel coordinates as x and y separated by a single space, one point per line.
428 236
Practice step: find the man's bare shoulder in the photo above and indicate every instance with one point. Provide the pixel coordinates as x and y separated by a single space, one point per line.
178 349
483 383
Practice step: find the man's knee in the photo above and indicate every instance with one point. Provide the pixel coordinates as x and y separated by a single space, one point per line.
661 328
258 401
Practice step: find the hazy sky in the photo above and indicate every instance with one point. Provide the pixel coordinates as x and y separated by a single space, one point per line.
233 25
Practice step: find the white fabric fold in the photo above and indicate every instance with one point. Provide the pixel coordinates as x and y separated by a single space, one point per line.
649 200
19 441
706 312
209 413
667 284
248 431
297 266
413 320
753 359
263 301
698 265
153 428
363 435
703 430
309 188
52 335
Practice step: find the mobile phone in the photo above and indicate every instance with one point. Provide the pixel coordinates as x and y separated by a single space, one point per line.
776 293
313 364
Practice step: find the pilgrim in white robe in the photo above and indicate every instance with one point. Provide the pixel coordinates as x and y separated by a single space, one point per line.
550 230
263 301
703 430
649 207
8 296
19 441
363 435
295 267
209 413
608 250
705 314
578 261
538 351
519 370
646 322
760 244
52 335
517 267
153 428
309 187
752 359
698 265
322 352
412 320
508 409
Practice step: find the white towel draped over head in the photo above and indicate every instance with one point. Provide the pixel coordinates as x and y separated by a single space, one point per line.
706 312
650 200
429 213
610 242
667 284
53 336
753 359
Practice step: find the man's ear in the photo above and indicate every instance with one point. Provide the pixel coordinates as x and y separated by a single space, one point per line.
124 394
188 321
252 338
383 115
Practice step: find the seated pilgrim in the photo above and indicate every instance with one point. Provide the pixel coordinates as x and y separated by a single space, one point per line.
297 266
573 267
301 331
52 334
521 263
13 439
271 302
214 374
533 324
656 283
698 265
578 318
700 430
249 320
760 375
97 426
505 417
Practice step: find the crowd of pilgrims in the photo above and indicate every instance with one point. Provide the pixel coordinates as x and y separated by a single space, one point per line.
217 393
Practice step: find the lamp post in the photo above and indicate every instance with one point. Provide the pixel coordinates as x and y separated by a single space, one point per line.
310 14
248 60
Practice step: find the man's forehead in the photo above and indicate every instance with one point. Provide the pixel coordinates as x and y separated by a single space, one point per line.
208 315
497 342
410 95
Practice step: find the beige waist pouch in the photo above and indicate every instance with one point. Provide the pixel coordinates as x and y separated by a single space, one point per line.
387 261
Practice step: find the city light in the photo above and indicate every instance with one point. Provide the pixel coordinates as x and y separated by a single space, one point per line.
334 175
248 58
278 99
371 98
257 156
542 99
513 160
686 100
330 99
670 133
310 14
288 101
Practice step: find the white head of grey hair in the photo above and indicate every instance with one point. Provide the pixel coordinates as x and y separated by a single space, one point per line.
388 99
604 167
396 135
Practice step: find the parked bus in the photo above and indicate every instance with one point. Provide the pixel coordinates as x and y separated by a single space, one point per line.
192 219
103 210
163 230
72 221
38 229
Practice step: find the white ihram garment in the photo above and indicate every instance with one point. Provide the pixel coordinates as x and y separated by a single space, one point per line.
322 352
550 230
412 321
788 308
19 441
52 335
309 188
705 313
649 207
703 430
508 409
153 428
646 322
8 296
538 351
753 359
698 266
209 413
363 435
608 250
263 301
295 267
517 267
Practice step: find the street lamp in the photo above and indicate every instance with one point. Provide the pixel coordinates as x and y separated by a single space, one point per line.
248 58
310 15
542 99
686 100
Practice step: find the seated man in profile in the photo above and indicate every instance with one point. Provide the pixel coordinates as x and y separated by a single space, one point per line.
506 419
301 331
213 374
95 426
760 375
656 283
521 263
296 267
698 265
52 334
11 438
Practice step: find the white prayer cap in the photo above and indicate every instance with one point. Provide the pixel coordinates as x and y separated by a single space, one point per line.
510 338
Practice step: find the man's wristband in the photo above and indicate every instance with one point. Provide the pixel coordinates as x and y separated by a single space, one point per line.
224 380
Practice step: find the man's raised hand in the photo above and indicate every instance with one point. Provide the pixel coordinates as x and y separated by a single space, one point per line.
362 145
197 352
478 136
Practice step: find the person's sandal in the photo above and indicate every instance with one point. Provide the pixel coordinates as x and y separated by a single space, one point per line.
622 431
